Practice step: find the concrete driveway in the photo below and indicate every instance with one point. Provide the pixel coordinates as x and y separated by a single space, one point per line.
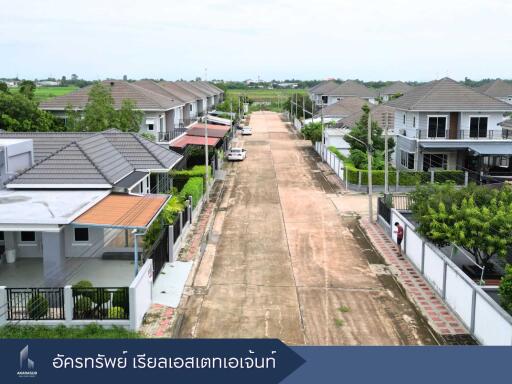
287 260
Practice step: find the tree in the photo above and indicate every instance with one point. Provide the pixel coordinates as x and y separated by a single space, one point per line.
4 87
99 113
27 88
313 131
505 289
73 119
128 118
19 114
475 218
359 135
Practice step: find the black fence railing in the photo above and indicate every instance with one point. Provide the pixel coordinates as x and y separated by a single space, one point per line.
185 216
383 210
101 303
35 303
176 228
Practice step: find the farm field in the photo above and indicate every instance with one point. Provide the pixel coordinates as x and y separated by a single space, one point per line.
258 94
43 93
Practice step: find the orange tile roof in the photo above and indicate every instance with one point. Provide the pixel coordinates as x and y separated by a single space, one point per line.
185 140
123 211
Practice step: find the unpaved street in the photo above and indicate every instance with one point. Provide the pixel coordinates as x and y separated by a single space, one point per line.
284 261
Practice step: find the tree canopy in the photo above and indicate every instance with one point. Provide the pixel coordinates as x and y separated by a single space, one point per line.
476 218
27 88
20 114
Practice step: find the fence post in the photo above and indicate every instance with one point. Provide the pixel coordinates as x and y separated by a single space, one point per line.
473 312
359 180
432 177
190 206
170 228
68 304
3 305
346 179
422 257
181 221
397 180
466 178
445 268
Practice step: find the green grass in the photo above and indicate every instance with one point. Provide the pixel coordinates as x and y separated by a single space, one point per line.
339 322
92 331
43 93
258 94
344 309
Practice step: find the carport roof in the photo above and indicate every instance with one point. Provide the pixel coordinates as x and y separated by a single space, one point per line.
183 141
484 148
502 149
124 211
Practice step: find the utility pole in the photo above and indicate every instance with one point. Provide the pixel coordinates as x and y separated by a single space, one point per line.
303 109
206 172
322 124
370 152
386 160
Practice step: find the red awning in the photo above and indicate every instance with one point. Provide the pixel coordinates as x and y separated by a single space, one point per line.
185 140
213 130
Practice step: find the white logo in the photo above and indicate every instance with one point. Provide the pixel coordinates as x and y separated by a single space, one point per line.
26 364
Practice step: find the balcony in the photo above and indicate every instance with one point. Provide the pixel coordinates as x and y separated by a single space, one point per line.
168 136
489 134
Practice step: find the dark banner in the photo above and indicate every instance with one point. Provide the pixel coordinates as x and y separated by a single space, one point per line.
243 361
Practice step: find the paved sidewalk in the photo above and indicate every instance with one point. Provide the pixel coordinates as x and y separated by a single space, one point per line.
159 319
438 315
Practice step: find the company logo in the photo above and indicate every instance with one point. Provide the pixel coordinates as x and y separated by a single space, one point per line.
26 364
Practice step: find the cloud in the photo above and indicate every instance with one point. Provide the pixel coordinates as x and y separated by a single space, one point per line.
394 39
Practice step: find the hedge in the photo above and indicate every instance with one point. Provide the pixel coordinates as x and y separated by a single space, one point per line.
193 187
407 178
196 171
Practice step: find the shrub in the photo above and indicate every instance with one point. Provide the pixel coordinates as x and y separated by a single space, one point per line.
505 289
37 307
166 217
82 284
83 305
100 297
195 171
193 187
116 313
120 298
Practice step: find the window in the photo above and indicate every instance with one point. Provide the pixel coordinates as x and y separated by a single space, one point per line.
414 121
27 237
2 236
190 107
151 127
478 127
325 99
434 160
81 234
150 124
407 160
404 118
436 126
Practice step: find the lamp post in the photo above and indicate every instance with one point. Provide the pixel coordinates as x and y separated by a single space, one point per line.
206 172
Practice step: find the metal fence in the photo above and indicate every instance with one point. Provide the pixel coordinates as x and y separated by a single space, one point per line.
35 303
159 251
101 303
383 210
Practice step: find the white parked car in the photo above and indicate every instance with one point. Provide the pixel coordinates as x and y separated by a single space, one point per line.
237 154
246 131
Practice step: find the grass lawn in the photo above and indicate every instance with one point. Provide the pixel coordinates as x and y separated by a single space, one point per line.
258 94
92 331
43 93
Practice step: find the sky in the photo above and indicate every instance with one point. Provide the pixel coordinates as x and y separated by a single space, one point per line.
271 39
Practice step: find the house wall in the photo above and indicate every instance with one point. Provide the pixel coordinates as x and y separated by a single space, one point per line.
155 116
170 120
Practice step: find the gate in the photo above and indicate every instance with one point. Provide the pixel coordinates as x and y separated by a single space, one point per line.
159 252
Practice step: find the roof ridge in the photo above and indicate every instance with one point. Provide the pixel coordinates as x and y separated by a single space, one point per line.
140 140
90 160
432 84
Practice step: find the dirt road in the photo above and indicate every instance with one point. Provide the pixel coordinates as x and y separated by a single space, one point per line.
285 261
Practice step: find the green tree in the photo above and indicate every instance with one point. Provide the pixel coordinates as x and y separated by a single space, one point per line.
3 87
99 113
73 119
505 289
19 114
128 118
27 88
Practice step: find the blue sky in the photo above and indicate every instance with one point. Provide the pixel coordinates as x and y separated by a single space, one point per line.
370 40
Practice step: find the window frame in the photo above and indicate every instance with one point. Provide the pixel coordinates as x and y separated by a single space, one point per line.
81 241
28 241
405 157
444 164
478 136
445 117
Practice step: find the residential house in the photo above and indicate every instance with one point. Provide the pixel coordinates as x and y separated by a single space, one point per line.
446 125
349 88
498 89
342 108
392 90
316 92
72 205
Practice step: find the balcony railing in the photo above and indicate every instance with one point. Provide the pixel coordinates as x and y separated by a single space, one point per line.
489 134
168 136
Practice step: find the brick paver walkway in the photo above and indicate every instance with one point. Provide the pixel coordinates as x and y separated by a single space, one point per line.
439 316
159 318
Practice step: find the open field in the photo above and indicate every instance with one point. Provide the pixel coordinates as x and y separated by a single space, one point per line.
263 94
43 93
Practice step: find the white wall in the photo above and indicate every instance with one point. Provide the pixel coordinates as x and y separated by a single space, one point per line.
141 294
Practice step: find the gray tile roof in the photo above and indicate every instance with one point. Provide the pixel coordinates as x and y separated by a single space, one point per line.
507 123
447 95
216 90
496 88
378 113
351 88
180 92
200 86
190 88
150 85
324 86
90 157
396 87
344 107
144 99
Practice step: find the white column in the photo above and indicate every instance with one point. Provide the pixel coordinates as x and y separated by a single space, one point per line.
68 304
3 305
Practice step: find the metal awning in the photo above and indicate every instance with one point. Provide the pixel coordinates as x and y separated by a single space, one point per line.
448 145
500 149
124 211
185 140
